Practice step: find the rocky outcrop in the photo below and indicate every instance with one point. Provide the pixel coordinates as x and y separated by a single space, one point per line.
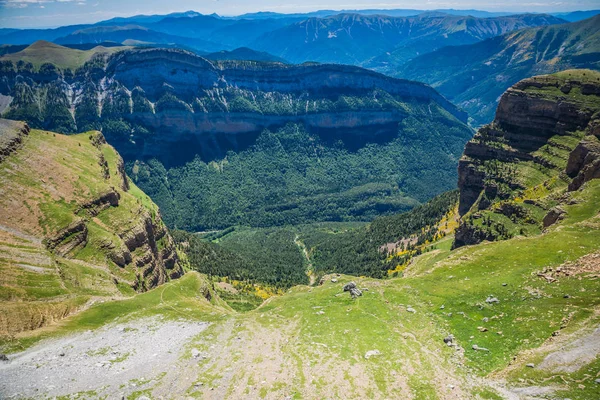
68 239
528 116
11 136
584 162
554 215
102 202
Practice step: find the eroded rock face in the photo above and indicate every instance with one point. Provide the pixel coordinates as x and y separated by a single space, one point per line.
11 137
529 114
142 242
180 105
584 162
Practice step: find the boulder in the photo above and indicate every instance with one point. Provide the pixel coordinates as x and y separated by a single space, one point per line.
554 215
354 291
477 348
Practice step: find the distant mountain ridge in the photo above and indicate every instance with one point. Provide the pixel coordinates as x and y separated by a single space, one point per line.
357 39
475 76
374 34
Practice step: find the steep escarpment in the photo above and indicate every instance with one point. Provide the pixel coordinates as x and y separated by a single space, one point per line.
72 227
214 106
544 139
177 117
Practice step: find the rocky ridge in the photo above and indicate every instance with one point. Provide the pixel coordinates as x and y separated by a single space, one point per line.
214 106
72 226
546 128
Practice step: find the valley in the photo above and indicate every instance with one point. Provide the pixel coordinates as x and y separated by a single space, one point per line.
514 317
280 206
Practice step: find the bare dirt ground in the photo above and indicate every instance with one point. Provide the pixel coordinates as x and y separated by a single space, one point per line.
115 361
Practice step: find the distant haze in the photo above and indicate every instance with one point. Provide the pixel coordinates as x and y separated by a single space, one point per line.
52 13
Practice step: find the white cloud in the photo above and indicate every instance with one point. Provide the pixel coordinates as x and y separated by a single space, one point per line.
26 3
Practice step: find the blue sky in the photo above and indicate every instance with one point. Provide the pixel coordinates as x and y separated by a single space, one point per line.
51 13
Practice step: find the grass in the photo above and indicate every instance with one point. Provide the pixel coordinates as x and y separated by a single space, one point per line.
42 52
181 298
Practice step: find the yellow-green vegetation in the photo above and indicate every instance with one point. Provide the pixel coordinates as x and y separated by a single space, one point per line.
42 52
65 215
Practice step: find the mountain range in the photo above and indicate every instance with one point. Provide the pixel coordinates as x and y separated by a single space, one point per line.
490 297
475 76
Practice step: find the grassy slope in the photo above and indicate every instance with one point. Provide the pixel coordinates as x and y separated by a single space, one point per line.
42 186
42 52
313 354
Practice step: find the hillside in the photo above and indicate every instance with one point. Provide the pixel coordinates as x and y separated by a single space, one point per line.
367 39
42 52
222 143
506 319
475 76
514 172
73 228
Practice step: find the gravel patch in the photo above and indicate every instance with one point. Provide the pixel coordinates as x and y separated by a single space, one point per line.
112 361
575 355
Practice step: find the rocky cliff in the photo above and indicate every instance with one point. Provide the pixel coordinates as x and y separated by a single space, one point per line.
175 116
72 226
210 105
544 137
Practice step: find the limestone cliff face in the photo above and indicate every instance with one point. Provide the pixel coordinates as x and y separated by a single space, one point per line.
529 115
544 140
175 101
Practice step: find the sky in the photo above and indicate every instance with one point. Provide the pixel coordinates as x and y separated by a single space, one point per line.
53 13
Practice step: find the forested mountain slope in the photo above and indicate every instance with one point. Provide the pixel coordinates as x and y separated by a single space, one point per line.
475 76
224 143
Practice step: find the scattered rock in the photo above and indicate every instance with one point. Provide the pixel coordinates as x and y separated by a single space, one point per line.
320 312
504 284
449 339
195 353
411 310
477 348
492 300
333 280
143 398
354 291
597 381
442 307
566 296
530 365
3 357
62 354
482 329
372 353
